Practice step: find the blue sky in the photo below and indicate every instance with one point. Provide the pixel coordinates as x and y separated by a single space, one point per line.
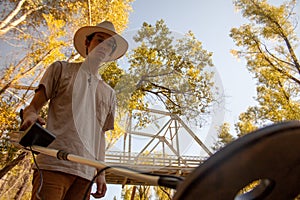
211 22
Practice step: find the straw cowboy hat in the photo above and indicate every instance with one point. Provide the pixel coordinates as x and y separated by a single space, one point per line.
105 27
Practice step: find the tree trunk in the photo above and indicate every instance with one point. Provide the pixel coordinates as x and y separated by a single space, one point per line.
133 193
13 163
25 181
23 186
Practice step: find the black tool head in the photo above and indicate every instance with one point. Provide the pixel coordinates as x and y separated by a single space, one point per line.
269 156
37 135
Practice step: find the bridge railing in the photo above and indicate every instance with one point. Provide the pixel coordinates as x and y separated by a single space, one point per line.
154 160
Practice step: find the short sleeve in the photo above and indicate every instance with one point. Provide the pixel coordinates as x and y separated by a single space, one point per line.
51 78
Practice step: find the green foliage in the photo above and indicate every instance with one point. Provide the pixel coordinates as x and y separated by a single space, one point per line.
248 121
163 193
268 43
9 122
139 192
173 72
224 137
111 73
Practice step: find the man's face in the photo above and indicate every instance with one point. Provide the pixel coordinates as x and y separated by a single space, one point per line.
106 44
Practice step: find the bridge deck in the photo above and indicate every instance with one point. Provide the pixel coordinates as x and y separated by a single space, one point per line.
153 163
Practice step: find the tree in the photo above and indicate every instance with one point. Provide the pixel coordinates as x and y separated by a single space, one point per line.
163 193
268 43
36 33
173 72
136 192
224 137
39 30
20 187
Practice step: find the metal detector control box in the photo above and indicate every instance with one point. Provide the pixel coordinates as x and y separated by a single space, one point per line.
37 135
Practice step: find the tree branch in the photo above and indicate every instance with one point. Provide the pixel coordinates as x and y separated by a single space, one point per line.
11 15
11 164
5 27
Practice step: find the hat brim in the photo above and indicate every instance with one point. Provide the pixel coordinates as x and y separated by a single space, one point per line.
80 37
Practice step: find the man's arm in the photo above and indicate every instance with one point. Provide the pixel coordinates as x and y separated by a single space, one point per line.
31 112
100 180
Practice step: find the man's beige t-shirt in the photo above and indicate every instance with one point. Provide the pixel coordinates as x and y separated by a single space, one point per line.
58 81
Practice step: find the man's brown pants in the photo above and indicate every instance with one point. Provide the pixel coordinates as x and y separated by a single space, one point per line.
59 186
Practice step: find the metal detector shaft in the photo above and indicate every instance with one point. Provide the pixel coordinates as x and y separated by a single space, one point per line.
157 180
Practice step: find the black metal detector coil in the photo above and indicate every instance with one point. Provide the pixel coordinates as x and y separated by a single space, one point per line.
268 157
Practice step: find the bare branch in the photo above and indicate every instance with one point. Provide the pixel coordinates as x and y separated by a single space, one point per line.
5 27
10 16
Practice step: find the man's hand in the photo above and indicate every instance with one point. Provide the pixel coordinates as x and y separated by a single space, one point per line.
101 187
31 118
30 113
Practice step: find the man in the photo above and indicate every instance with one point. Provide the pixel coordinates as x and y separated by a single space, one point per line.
81 109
